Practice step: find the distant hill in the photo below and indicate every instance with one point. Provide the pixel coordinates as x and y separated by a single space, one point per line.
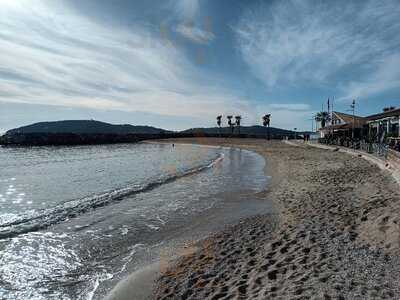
83 132
84 127
245 130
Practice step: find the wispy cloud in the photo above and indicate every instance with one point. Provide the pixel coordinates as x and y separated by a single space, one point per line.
319 43
50 55
189 26
384 78
195 34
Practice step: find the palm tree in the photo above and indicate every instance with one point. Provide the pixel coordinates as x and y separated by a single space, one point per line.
238 119
323 117
219 121
231 125
266 122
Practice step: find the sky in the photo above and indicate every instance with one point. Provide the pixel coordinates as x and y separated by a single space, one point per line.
177 64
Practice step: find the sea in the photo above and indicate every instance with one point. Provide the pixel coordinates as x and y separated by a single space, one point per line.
74 221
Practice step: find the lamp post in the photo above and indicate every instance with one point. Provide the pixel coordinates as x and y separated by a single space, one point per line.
353 107
312 124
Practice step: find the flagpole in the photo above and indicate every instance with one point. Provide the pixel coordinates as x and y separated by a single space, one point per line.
329 107
329 121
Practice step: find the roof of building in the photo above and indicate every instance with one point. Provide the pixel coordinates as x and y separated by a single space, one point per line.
386 114
348 119
359 122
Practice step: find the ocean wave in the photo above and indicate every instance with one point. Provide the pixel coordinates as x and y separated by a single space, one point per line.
42 219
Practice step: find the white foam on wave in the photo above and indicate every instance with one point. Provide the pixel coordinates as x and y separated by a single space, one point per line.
161 220
43 218
153 227
32 258
107 276
124 230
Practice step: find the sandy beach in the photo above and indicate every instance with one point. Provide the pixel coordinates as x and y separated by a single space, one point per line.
335 234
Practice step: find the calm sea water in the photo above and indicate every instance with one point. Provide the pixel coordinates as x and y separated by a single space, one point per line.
75 220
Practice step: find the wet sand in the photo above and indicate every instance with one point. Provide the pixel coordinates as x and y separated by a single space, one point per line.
179 236
335 235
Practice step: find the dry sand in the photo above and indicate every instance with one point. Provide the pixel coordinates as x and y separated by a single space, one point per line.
336 235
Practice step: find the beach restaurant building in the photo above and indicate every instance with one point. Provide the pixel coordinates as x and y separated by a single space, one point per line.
342 125
384 124
379 127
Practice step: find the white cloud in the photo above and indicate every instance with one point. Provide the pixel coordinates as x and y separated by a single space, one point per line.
187 13
49 55
52 56
195 34
314 43
385 78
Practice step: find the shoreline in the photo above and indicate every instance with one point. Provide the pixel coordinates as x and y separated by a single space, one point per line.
136 285
336 235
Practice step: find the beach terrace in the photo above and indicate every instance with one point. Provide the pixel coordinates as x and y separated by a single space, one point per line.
371 133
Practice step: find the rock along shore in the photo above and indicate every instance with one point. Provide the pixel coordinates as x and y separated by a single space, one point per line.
336 234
